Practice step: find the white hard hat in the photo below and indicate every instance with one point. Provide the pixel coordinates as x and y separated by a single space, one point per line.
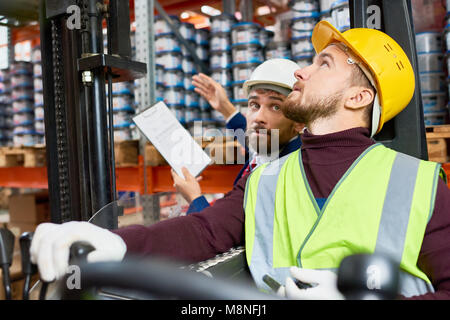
273 74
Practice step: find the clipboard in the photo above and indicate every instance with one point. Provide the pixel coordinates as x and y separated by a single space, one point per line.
160 126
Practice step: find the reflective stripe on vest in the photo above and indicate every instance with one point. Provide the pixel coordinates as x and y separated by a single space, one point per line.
273 221
262 225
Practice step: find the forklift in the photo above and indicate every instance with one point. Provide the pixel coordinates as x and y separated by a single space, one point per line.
80 149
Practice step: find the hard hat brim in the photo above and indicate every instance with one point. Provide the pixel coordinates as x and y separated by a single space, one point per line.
325 33
249 83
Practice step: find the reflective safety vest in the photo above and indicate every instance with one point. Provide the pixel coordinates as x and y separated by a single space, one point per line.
382 204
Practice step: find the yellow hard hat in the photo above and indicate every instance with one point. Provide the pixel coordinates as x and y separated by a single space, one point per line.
388 64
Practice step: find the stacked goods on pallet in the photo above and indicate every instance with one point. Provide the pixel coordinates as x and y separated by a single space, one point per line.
22 95
6 116
340 14
305 16
159 77
202 42
431 65
221 56
22 156
306 13
176 67
39 126
169 55
247 54
132 85
195 107
236 50
170 76
123 110
278 49
273 49
432 77
123 100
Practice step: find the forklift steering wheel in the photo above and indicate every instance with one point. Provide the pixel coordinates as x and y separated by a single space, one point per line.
156 278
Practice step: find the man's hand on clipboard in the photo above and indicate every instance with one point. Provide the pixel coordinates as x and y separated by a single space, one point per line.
189 187
160 126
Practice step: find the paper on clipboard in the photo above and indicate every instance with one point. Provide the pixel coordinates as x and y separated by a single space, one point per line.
173 141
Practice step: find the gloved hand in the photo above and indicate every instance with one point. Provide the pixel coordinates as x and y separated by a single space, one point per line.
51 245
324 285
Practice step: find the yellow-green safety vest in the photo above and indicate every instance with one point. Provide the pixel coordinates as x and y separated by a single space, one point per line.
382 204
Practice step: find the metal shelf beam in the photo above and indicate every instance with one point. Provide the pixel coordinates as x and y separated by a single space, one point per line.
216 178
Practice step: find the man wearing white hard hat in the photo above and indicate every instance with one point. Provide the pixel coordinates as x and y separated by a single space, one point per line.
199 235
269 84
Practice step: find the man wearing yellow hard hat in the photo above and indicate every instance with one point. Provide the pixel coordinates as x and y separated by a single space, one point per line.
342 193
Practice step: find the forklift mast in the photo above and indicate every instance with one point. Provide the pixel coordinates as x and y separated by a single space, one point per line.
406 132
75 70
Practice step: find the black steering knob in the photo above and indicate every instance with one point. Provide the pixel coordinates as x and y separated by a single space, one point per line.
79 251
369 277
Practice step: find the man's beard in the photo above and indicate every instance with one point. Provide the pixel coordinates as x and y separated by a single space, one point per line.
320 108
262 145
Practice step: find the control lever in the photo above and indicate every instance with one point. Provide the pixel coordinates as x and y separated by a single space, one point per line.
79 251
368 277
28 268
78 254
6 255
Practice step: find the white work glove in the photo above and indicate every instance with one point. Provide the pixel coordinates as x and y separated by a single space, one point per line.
51 244
324 284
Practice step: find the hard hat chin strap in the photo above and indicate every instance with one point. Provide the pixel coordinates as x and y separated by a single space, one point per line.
376 113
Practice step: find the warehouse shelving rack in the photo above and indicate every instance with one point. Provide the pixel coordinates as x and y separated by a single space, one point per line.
216 178
140 178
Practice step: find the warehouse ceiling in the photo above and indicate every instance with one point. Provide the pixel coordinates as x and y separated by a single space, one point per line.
272 7
19 12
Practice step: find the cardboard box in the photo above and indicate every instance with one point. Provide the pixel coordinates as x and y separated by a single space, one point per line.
5 193
153 157
224 149
437 150
225 152
126 153
29 208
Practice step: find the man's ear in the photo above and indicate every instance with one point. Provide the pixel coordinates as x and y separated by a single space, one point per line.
298 127
359 97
